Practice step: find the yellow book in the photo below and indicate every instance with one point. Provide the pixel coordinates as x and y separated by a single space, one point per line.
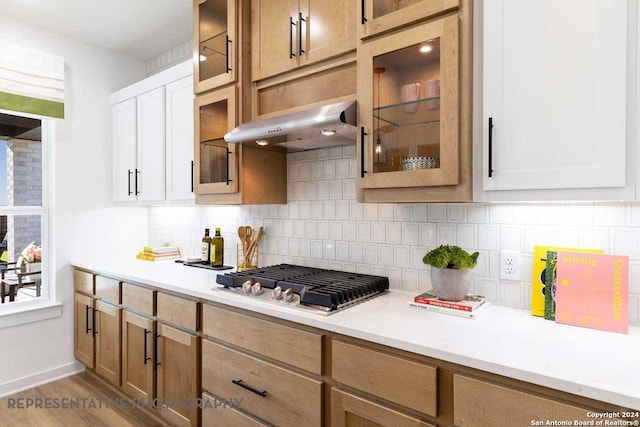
538 279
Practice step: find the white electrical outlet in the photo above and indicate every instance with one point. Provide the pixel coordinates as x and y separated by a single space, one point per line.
509 265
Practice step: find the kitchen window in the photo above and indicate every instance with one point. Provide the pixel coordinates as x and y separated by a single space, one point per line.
25 252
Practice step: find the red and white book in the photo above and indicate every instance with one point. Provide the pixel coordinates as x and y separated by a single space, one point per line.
470 302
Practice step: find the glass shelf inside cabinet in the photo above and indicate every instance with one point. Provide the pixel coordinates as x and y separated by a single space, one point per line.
214 45
419 112
218 142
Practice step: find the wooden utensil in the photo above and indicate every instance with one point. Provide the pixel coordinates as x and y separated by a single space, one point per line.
253 245
242 234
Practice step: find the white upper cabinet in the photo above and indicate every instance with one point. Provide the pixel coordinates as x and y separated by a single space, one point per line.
124 150
151 130
179 139
558 91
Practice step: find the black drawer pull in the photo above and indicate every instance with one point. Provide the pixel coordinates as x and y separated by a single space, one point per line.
86 320
251 389
490 147
362 135
146 356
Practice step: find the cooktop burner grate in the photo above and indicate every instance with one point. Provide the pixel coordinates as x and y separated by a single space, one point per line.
325 288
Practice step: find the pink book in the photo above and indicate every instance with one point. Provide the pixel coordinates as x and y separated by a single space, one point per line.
592 290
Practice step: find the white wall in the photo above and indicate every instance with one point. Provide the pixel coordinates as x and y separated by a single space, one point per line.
85 220
168 59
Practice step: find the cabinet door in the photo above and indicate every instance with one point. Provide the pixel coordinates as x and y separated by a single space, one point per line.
180 166
83 330
409 107
274 37
123 122
178 376
215 37
149 177
107 331
328 29
348 410
216 162
554 94
138 361
379 16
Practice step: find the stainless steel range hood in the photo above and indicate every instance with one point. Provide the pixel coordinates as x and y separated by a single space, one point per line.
327 126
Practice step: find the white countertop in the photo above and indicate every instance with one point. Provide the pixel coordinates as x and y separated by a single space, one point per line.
600 365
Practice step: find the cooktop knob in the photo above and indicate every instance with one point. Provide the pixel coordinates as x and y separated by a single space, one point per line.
289 296
256 289
246 287
276 293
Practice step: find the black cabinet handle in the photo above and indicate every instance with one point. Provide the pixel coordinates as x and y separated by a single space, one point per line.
93 318
146 358
128 182
228 180
136 182
363 18
490 146
291 25
300 21
362 135
227 53
155 349
86 320
192 173
262 393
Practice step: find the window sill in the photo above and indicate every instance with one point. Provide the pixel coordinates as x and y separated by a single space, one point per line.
28 314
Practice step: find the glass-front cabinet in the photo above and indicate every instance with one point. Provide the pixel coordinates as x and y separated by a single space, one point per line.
409 107
215 47
216 164
380 16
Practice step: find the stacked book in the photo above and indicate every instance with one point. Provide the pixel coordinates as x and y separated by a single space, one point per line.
471 306
161 253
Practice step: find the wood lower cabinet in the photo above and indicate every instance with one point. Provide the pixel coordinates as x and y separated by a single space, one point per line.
138 356
107 331
216 414
178 375
84 344
348 410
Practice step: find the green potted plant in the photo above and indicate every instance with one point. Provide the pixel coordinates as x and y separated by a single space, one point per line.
450 271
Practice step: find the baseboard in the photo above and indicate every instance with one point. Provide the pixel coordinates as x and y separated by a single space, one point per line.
40 378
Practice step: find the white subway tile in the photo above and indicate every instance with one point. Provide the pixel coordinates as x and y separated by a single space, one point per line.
386 211
356 211
419 212
427 234
272 244
349 231
410 233
371 211
317 170
633 215
424 281
342 209
568 237
512 237
482 267
446 234
349 151
634 275
364 231
457 213
468 236
579 214
548 215
316 209
349 189
357 252
310 230
385 255
305 248
395 278
526 267
488 236
489 288
403 212
329 210
409 280
329 169
316 248
305 209
478 213
363 269
298 228
322 229
378 271
336 152
311 263
437 213
294 247
417 253
321 263
342 251
494 264
512 294
500 214
287 228
322 153
311 155
349 267
336 230
634 309
336 189
371 254
299 190
342 168
283 246
328 249
293 172
323 190
378 233
311 190
353 168
394 232
402 256
536 236
625 242
610 215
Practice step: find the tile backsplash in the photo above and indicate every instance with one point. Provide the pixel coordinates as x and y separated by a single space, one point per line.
323 226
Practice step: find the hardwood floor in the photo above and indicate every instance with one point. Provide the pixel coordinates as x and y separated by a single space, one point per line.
81 386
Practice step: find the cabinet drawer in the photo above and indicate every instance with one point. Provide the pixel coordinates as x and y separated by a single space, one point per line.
179 311
301 349
481 404
215 416
83 282
401 381
138 299
108 289
289 399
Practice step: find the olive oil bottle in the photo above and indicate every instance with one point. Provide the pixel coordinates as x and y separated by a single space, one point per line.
205 254
217 249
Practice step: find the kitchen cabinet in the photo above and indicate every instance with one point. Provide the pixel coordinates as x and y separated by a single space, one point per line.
83 343
413 144
178 376
294 33
348 410
232 173
380 16
215 43
179 139
138 356
555 121
106 330
152 128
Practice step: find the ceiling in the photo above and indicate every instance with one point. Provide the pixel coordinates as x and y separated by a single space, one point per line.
139 28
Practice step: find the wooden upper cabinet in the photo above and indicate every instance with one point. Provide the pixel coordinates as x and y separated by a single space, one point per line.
286 34
380 16
215 43
408 90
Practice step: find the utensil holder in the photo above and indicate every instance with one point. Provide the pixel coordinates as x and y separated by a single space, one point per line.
251 264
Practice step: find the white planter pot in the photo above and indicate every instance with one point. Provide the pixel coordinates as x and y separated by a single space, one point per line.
33 267
450 284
